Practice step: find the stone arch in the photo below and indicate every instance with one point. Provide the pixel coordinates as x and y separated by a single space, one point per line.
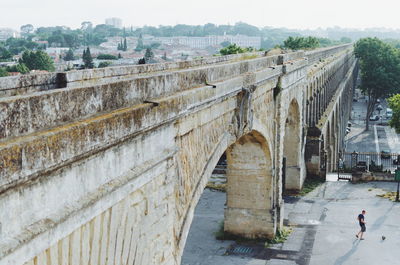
248 184
250 188
292 147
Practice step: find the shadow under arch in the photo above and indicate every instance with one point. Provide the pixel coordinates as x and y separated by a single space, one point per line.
292 177
248 211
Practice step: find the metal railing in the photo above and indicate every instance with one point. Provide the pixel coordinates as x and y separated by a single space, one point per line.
374 162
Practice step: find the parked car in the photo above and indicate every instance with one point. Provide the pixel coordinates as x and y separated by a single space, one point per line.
385 154
379 107
349 124
355 100
374 118
389 113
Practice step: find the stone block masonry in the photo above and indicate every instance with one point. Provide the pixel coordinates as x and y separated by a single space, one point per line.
106 166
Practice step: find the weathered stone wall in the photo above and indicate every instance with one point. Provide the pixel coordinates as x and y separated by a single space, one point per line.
107 166
25 84
328 106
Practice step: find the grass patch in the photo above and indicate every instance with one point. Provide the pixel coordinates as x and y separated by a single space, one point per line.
249 56
391 195
310 184
280 237
216 186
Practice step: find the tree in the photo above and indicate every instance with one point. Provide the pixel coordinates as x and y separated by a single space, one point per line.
380 70
87 59
142 61
345 40
235 49
86 26
394 103
231 49
122 46
37 60
296 43
140 45
5 54
3 72
26 29
125 46
20 68
106 57
17 45
69 56
71 40
148 55
104 64
245 29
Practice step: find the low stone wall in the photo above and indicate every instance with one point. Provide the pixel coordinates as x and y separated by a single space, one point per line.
372 176
319 54
23 84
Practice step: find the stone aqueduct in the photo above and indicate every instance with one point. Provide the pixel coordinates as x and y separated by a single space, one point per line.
106 166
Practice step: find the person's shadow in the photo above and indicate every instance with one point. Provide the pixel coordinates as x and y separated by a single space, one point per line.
346 256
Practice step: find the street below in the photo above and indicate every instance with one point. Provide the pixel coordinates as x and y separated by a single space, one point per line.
323 227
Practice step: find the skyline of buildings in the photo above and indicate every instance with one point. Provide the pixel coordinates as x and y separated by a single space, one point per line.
114 21
6 33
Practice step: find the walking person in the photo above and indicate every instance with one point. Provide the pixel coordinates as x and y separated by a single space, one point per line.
361 221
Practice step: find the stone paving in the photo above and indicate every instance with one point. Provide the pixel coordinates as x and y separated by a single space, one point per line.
324 227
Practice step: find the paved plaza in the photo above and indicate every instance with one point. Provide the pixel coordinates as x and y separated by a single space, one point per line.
324 226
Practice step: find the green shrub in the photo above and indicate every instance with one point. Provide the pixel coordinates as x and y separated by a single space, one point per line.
104 64
235 49
296 43
21 68
106 57
3 72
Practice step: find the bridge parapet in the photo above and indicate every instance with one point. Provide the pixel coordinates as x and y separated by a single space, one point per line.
59 106
19 85
23 84
319 54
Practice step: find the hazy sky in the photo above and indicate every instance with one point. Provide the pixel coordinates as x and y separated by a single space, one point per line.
277 13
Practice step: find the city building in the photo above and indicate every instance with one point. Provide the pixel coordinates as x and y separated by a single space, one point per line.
207 41
6 33
115 22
